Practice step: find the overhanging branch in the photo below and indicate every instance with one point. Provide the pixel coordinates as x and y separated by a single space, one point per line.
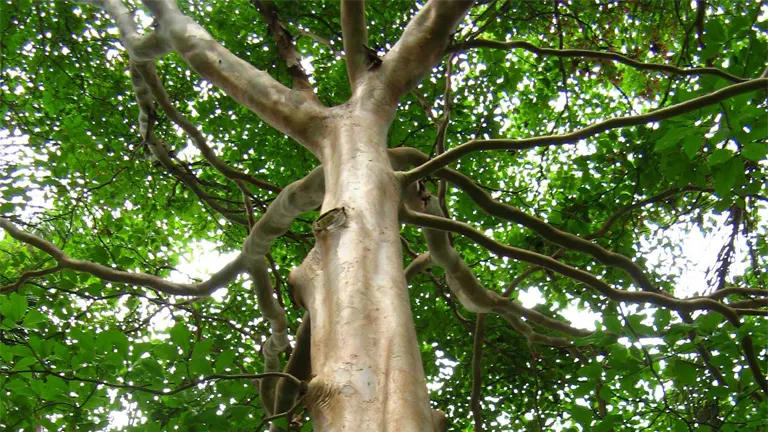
588 279
227 274
149 74
526 143
583 53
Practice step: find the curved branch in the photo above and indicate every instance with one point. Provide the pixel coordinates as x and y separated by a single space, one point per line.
294 112
725 292
228 273
159 151
545 230
299 366
277 341
603 55
688 305
298 197
139 47
421 45
520 144
472 294
419 264
29 275
164 392
149 74
355 38
628 208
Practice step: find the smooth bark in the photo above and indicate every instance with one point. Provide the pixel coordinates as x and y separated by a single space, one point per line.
364 350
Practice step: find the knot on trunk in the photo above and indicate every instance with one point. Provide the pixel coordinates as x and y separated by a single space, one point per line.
330 220
320 394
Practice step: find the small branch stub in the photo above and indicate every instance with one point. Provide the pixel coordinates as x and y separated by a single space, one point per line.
329 220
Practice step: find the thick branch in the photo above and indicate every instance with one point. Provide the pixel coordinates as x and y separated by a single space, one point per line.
421 46
286 49
521 144
277 342
583 53
299 366
216 281
159 151
547 231
294 112
298 197
139 47
473 295
689 305
355 38
419 264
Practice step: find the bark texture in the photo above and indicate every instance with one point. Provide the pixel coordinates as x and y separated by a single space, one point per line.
364 350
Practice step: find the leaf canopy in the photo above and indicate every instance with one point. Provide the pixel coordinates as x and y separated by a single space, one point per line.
75 350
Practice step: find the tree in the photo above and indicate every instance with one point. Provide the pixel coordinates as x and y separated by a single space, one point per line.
402 174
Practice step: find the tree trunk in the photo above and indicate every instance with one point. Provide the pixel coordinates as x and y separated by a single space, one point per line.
365 355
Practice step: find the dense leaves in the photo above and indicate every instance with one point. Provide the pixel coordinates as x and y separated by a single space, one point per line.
79 353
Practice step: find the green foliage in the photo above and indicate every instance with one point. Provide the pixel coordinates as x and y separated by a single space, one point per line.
74 350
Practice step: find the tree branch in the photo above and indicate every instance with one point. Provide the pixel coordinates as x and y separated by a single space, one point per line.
294 112
583 53
355 37
29 275
438 223
277 341
477 373
286 49
216 281
149 74
421 45
471 293
139 47
545 230
298 197
452 264
299 366
520 144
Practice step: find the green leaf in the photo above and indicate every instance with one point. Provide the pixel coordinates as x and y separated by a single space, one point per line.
755 151
166 351
224 360
671 138
592 371
110 339
24 363
679 425
180 335
684 372
153 367
33 318
199 364
719 156
14 307
582 415
281 423
613 324
691 145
